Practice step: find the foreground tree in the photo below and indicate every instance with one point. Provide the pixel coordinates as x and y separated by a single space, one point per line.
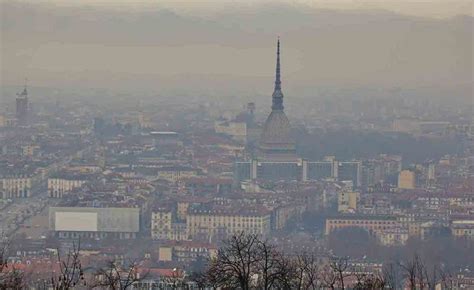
328 277
200 279
391 275
271 266
306 271
10 277
414 272
235 263
246 262
340 266
115 276
70 274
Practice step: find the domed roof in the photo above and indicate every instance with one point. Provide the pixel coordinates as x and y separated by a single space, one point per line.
276 132
275 141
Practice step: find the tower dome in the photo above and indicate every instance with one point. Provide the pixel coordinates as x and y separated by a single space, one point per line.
275 141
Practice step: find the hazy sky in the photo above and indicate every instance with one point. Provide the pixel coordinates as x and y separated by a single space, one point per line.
228 46
428 8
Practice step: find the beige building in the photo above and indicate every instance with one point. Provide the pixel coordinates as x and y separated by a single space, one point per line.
182 210
347 201
406 125
145 120
283 214
161 224
221 223
30 150
165 253
414 229
237 130
463 229
16 187
57 187
3 121
186 251
406 179
393 236
174 174
373 224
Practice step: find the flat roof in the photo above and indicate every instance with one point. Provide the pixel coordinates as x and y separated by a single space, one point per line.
361 217
163 133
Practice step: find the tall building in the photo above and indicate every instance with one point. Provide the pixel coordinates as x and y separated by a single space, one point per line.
347 201
406 179
276 143
349 171
276 157
22 107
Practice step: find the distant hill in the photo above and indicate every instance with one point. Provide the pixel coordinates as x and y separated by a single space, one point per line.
234 51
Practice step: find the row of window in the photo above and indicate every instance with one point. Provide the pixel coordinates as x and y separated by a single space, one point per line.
358 222
232 225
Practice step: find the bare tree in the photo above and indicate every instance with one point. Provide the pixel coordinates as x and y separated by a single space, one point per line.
435 275
236 262
116 276
390 273
176 280
10 277
200 279
375 281
340 266
270 265
361 277
411 270
70 270
306 271
368 279
446 278
421 272
281 275
431 276
328 277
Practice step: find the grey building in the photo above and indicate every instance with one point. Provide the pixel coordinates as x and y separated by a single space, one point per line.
95 223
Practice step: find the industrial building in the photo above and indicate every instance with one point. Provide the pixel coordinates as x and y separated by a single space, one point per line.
95 223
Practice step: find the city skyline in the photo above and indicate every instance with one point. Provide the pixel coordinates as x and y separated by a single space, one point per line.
236 145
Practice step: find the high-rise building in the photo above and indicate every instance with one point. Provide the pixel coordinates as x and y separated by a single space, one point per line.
406 179
276 143
276 157
347 201
22 107
349 171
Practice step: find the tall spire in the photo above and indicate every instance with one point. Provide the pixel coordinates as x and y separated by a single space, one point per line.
277 75
25 88
277 97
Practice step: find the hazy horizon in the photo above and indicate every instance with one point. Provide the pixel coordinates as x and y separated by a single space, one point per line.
230 50
425 8
236 144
